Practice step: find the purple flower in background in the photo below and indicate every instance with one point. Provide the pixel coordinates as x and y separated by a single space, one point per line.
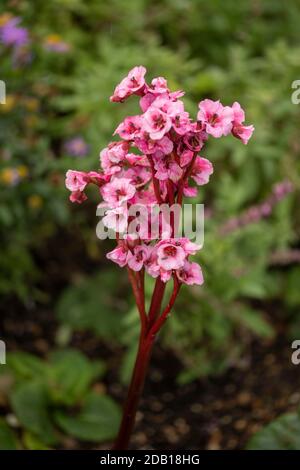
76 147
13 35
256 213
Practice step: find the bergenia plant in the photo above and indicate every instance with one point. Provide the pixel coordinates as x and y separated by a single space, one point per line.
155 163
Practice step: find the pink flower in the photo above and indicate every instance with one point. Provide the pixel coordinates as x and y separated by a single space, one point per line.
194 140
202 170
131 84
78 196
166 168
129 128
76 180
182 123
139 256
146 101
239 130
146 145
113 156
170 256
119 255
117 191
190 273
190 191
156 123
216 117
186 157
158 85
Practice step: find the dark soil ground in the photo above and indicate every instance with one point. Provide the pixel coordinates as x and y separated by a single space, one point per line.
211 413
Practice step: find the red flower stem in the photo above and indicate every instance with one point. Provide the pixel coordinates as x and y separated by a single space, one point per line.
184 179
156 300
155 181
138 293
134 391
154 329
139 373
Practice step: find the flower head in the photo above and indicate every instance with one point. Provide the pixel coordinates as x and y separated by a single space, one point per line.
131 84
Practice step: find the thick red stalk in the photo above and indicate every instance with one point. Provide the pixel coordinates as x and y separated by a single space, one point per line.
147 337
134 391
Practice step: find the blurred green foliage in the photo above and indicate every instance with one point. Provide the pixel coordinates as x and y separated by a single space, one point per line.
54 397
243 51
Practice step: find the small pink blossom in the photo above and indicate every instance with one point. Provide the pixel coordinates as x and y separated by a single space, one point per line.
76 180
166 168
156 123
147 145
131 84
159 85
129 128
146 101
182 123
78 196
216 117
170 256
190 274
113 156
139 256
202 170
186 157
118 191
239 130
119 256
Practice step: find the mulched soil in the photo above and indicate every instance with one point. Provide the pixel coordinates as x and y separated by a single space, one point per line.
211 413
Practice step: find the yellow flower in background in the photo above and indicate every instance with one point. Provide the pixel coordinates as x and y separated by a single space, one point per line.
35 201
9 176
11 101
4 18
22 171
12 176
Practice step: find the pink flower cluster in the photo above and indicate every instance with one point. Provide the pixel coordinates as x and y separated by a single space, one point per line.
157 161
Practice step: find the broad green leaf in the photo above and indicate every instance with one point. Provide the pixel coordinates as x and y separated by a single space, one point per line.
31 442
8 440
70 375
30 404
254 321
281 434
26 365
98 420
93 305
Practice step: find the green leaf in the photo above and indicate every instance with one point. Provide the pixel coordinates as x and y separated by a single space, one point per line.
26 365
98 420
30 402
93 305
70 375
8 440
254 321
31 442
281 434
